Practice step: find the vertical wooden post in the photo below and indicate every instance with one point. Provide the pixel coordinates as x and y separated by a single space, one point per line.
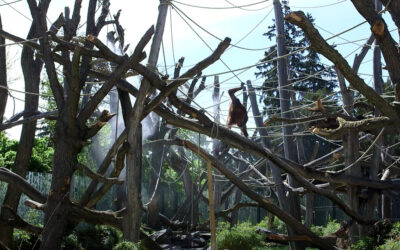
284 95
132 218
216 146
3 76
156 162
211 206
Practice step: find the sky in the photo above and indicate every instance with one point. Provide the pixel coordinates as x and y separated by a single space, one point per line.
245 25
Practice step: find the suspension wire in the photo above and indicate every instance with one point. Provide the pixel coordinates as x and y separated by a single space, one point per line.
172 36
242 8
278 57
163 52
208 32
220 8
318 6
9 3
12 7
230 70
365 153
254 28
20 42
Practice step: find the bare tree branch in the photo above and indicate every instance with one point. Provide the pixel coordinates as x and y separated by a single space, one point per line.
368 124
116 75
7 125
319 45
21 184
100 178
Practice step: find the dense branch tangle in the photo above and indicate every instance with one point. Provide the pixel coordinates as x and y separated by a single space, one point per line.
73 129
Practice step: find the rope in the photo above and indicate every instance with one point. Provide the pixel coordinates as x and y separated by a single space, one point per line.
172 36
255 27
239 7
318 6
208 32
365 153
163 52
21 42
9 3
207 45
220 8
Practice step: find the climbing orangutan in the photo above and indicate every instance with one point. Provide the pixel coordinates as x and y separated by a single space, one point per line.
237 112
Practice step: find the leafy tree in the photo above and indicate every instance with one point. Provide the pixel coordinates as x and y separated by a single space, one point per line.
42 153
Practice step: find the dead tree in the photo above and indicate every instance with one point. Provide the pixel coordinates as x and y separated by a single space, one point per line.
31 69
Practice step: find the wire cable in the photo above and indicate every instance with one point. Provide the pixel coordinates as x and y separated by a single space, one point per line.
12 7
220 8
211 34
9 3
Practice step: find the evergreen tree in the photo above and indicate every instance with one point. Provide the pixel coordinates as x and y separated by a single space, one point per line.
305 69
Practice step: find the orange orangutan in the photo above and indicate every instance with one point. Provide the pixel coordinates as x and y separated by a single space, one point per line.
237 113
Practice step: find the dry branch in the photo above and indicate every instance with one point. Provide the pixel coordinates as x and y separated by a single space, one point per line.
99 124
95 176
103 167
319 45
264 203
386 43
18 222
275 119
115 76
21 184
7 125
195 70
366 125
118 166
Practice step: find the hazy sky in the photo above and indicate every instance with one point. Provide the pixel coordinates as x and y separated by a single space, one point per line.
334 16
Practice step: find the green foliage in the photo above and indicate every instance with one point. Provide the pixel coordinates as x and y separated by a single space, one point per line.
47 128
383 240
42 153
126 245
395 232
331 227
8 151
366 243
277 225
98 237
390 244
33 217
242 236
393 243
24 240
72 242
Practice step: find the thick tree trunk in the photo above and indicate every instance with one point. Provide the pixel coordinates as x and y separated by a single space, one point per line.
309 197
275 171
191 203
133 215
156 163
31 69
3 76
57 206
372 202
351 153
284 95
